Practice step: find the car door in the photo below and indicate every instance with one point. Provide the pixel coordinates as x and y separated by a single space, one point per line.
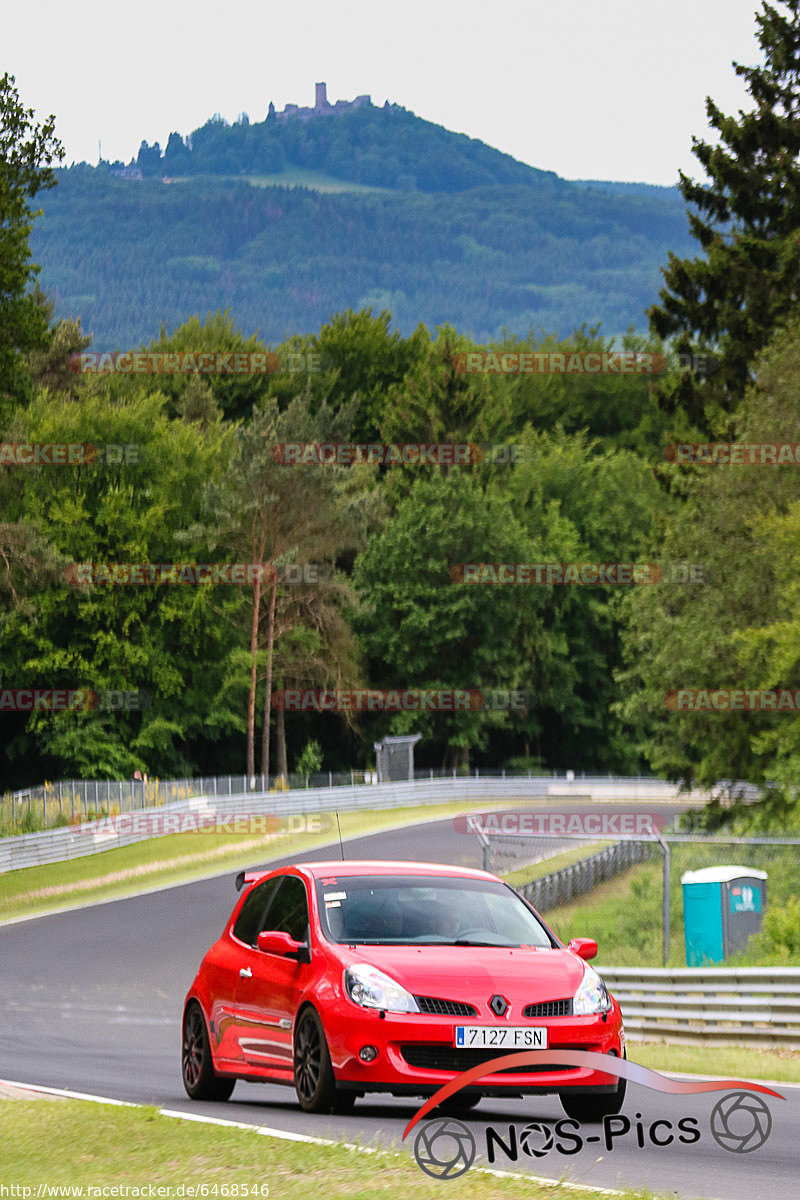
230 958
267 997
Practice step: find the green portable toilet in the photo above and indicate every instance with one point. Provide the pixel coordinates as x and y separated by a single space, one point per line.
722 907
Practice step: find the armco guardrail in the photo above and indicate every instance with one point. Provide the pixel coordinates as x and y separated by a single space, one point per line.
74 800
565 885
725 1005
55 845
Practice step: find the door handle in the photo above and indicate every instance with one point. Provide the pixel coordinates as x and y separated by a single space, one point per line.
245 973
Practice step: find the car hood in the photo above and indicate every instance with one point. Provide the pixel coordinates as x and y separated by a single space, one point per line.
473 974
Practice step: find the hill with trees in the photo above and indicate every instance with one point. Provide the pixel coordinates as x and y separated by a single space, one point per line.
286 223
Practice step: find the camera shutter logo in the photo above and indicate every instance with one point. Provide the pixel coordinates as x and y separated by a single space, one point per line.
444 1148
536 1139
740 1122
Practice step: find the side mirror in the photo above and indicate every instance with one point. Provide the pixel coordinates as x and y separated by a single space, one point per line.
274 941
583 947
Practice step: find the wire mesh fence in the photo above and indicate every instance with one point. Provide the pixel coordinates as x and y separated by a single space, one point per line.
629 895
511 855
561 887
66 801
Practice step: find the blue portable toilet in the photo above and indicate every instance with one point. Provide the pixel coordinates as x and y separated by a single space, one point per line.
722 907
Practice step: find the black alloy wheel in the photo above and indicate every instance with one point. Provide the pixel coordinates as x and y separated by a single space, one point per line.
314 1081
200 1080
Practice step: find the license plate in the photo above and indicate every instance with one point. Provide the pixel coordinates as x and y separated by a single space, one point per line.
500 1037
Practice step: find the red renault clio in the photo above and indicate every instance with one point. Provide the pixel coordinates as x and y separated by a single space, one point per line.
342 978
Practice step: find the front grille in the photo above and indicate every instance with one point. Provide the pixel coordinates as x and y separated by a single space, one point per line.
442 1057
445 1008
549 1008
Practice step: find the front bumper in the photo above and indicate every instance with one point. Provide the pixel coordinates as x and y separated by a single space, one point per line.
416 1053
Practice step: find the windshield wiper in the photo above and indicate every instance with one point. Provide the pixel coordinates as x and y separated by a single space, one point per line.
477 942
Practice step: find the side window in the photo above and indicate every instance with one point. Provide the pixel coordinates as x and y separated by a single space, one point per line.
250 919
289 910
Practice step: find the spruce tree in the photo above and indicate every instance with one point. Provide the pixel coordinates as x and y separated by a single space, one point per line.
27 152
746 218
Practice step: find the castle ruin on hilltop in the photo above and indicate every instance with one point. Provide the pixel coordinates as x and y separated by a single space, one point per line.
321 106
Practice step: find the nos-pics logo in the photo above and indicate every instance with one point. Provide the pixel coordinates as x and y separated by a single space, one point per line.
445 1148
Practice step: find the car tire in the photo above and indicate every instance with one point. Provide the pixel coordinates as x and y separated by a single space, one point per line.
200 1080
314 1080
588 1109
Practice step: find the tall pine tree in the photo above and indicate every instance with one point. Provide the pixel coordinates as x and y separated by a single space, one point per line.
746 218
27 152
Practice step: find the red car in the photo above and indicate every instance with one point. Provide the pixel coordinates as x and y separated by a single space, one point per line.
343 978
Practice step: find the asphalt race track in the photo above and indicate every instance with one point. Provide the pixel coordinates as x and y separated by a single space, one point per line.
91 1001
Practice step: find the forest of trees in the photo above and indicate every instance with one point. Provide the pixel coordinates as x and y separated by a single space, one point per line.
126 256
386 147
592 482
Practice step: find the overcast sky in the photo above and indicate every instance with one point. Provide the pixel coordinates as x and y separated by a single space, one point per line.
592 89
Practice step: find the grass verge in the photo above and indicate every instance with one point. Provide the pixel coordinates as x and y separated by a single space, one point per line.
625 914
554 862
94 1145
293 177
738 1062
181 858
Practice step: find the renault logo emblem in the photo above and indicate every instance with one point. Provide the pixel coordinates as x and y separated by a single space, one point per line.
498 1005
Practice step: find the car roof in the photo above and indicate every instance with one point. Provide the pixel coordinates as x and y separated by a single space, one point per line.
366 866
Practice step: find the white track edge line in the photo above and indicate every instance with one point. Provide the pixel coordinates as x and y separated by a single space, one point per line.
287 1135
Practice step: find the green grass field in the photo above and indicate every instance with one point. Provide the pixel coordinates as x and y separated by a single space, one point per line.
294 177
727 1061
77 1143
181 858
554 863
625 914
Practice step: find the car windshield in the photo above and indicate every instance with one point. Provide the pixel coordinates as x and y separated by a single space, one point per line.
425 910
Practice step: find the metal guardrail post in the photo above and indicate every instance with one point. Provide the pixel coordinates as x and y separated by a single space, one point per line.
665 898
666 885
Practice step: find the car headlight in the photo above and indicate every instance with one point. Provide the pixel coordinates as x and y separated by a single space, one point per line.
371 988
592 995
